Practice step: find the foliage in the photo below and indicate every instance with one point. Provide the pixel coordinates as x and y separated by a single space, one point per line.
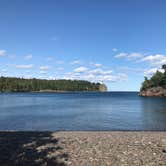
8 84
158 79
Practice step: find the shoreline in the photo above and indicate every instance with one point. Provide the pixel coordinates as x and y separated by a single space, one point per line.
85 131
82 147
56 92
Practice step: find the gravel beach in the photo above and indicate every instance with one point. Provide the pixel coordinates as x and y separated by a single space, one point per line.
82 148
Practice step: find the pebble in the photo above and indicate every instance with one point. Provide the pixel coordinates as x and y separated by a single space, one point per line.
92 149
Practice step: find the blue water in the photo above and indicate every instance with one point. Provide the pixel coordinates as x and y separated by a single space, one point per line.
81 111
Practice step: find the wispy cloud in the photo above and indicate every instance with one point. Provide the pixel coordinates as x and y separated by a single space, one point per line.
121 55
130 69
44 67
129 56
100 72
49 59
76 62
28 57
150 72
43 72
135 55
155 60
96 64
95 75
114 49
81 69
2 53
23 66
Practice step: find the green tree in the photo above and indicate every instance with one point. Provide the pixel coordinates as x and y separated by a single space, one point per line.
8 84
158 79
164 67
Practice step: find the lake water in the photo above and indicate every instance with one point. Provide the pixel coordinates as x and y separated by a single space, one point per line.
81 111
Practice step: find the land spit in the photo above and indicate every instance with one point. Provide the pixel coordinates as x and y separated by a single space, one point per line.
82 148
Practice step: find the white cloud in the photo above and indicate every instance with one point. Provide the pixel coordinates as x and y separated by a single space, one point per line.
76 62
2 53
95 75
100 72
23 66
51 78
114 49
129 56
43 72
152 71
28 57
130 69
78 76
135 55
114 78
121 55
80 69
97 64
155 60
96 78
44 67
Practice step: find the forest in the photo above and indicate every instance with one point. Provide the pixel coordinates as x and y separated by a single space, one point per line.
158 79
13 84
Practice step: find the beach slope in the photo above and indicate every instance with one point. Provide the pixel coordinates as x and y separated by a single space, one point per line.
82 148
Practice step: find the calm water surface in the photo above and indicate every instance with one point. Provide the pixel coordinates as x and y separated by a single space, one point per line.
81 111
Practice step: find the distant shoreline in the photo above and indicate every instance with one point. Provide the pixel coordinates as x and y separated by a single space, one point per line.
14 84
58 91
54 91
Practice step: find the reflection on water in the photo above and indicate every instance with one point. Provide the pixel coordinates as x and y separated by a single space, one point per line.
81 111
154 113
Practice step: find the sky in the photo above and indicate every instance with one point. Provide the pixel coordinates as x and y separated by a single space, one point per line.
114 41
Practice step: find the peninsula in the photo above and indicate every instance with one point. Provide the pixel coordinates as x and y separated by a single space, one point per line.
156 85
13 84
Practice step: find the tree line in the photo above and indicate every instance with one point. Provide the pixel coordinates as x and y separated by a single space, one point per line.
158 79
13 84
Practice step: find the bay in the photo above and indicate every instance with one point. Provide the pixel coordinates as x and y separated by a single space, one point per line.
81 111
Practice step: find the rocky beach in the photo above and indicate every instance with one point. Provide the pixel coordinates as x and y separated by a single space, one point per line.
82 148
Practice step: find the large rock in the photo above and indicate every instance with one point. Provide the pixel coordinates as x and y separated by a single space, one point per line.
154 91
102 88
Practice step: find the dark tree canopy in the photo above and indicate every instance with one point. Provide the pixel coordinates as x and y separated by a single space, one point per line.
164 67
158 79
8 84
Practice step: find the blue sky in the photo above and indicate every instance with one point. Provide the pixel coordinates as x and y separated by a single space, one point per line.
115 41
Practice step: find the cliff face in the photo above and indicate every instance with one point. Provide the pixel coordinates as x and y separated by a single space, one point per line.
102 88
154 91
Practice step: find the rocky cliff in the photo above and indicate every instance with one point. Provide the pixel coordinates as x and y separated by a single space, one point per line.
154 91
102 88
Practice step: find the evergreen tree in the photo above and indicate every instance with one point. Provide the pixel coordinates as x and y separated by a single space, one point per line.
8 84
158 79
